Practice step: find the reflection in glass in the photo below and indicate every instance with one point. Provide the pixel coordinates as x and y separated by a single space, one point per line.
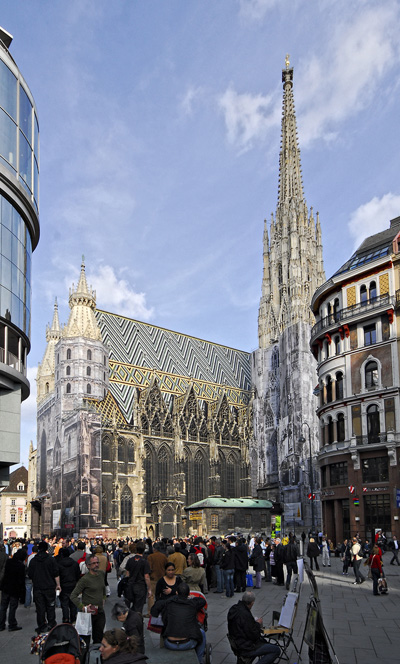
25 114
8 139
25 160
8 90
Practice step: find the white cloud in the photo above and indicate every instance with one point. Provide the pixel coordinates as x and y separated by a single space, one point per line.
247 117
359 53
255 10
192 94
364 48
117 295
373 217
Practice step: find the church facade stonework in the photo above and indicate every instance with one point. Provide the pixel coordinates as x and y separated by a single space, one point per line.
134 423
283 367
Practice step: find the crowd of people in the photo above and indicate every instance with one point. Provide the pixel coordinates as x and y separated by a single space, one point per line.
73 574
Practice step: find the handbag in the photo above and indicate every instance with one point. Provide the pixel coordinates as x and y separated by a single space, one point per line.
83 623
155 624
249 580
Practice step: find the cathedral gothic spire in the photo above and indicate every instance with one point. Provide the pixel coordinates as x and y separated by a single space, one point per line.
82 302
45 372
293 264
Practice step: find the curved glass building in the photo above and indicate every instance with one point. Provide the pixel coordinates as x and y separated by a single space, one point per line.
19 235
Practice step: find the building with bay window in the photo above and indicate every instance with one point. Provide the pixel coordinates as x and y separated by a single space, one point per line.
356 343
19 235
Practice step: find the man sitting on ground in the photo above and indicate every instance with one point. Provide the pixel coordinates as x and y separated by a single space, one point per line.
181 629
245 631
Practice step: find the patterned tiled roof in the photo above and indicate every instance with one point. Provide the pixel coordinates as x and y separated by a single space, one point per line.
138 351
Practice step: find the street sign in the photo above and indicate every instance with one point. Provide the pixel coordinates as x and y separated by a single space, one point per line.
196 515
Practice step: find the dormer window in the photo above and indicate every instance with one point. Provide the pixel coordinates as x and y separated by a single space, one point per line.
21 486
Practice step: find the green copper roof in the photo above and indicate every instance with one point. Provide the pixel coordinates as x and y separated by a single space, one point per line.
216 501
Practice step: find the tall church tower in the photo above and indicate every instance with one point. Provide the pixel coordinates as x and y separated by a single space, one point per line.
283 367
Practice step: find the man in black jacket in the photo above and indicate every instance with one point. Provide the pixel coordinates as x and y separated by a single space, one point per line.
69 576
241 560
13 589
291 554
181 629
245 631
43 571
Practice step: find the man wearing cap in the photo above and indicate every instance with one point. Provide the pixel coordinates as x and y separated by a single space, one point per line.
43 570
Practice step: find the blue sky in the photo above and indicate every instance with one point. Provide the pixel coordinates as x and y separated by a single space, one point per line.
160 130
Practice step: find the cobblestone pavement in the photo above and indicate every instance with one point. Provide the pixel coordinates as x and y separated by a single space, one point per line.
363 629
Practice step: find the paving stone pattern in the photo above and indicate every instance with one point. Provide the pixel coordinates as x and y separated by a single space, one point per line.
364 629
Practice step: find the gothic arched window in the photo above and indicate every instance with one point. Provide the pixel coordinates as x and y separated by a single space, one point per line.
148 467
126 505
230 477
328 389
339 385
371 375
131 452
68 353
372 291
198 476
373 424
163 471
89 355
104 511
88 371
363 294
341 434
88 389
68 370
68 390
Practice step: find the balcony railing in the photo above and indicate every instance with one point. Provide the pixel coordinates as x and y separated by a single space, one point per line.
347 313
12 361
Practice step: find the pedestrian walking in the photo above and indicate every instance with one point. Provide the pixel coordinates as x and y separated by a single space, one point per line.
12 590
43 570
356 558
394 546
313 552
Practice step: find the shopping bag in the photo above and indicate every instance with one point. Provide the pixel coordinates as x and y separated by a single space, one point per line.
249 580
155 624
83 623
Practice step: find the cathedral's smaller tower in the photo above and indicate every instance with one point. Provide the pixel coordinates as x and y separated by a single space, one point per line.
46 370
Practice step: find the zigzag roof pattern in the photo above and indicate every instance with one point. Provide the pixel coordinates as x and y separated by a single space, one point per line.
138 351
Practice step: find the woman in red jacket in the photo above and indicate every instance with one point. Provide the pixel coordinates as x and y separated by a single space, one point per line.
375 562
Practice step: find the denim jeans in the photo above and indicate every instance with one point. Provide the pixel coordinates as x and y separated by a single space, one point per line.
220 578
189 645
266 652
356 569
228 579
28 592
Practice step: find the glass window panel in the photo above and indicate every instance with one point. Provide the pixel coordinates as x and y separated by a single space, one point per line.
6 273
5 303
14 249
25 160
14 279
6 213
36 181
25 114
8 139
36 139
15 310
6 242
8 90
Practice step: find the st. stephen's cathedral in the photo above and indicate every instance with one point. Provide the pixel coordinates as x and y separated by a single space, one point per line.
135 422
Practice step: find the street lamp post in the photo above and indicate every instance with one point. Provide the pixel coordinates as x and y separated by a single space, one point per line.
303 440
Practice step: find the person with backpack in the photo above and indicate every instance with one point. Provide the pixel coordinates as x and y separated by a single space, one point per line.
138 588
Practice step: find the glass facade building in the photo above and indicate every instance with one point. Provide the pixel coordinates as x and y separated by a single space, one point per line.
19 235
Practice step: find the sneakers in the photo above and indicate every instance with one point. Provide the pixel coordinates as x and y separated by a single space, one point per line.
108 591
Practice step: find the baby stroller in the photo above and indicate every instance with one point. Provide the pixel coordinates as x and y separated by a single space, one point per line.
63 645
382 586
